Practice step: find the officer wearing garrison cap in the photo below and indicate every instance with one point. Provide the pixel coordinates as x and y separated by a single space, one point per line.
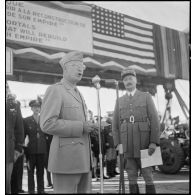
64 115
139 128
36 148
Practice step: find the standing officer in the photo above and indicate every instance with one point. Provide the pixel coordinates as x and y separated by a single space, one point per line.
64 115
14 135
139 126
36 148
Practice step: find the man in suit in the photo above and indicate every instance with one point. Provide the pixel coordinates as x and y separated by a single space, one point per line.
14 135
64 115
36 148
139 129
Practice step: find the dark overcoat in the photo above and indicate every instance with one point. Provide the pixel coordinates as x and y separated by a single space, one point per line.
146 128
14 130
37 140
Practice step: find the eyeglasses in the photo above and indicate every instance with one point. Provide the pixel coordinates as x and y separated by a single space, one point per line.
78 66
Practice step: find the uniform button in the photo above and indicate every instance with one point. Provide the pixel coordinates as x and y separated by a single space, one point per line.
72 142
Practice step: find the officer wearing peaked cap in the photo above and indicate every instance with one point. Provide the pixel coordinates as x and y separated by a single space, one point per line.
128 71
139 127
64 115
34 103
36 148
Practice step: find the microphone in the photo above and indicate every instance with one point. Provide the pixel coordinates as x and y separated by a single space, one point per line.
96 81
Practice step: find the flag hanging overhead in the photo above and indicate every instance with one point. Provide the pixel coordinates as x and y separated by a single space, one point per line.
119 36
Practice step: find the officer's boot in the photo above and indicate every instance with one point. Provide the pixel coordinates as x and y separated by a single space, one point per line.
133 188
150 189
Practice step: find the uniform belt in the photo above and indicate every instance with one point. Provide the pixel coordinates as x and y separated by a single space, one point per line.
134 119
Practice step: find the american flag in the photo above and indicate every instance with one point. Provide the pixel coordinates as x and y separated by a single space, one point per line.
120 36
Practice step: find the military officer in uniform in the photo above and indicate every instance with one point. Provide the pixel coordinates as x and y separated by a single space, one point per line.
36 148
139 129
64 115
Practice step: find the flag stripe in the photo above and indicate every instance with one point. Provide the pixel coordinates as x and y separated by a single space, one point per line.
158 50
136 37
143 25
170 50
184 56
117 54
139 20
122 48
150 51
122 41
138 27
138 31
165 54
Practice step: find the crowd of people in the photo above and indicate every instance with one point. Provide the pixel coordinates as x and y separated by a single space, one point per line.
62 138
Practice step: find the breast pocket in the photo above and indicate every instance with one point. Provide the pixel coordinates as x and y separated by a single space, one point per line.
141 110
70 112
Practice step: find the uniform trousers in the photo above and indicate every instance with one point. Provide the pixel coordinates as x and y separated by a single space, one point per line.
36 160
9 168
72 183
17 175
132 165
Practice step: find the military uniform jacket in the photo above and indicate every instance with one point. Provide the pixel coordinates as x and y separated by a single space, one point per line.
63 112
145 130
14 130
37 140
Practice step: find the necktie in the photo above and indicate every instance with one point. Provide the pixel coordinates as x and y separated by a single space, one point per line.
130 96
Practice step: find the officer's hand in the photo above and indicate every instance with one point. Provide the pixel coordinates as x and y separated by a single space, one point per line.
88 126
151 149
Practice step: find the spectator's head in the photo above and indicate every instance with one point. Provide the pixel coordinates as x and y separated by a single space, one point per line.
35 106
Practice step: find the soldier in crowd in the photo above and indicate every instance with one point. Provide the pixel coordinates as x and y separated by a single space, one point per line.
111 153
14 135
64 115
139 125
36 148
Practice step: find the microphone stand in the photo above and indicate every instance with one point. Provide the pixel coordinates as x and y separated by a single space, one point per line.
96 81
121 184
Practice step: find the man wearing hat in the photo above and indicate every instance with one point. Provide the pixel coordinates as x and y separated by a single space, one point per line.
139 128
64 115
36 148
